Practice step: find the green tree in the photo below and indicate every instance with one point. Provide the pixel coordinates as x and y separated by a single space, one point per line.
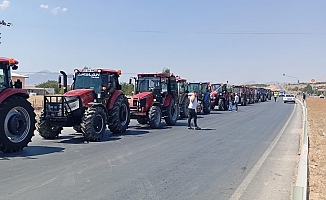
166 70
127 88
86 67
308 89
49 84
295 88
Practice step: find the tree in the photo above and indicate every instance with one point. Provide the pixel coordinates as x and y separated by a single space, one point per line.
127 88
308 89
49 84
166 70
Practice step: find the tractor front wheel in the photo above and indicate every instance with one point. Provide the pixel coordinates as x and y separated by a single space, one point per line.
17 124
46 131
119 115
94 124
172 113
185 108
155 116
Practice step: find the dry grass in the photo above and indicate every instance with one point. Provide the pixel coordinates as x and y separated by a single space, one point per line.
317 147
37 102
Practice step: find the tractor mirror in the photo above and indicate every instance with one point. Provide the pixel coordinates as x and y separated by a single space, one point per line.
130 81
14 67
59 82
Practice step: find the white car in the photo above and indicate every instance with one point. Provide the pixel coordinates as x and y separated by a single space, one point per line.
321 96
289 98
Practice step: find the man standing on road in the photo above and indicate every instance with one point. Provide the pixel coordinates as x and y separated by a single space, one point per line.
275 96
236 102
304 96
192 110
231 101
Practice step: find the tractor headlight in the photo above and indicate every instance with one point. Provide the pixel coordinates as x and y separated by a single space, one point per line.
72 103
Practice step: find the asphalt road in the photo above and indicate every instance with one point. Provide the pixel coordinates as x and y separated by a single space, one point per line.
232 157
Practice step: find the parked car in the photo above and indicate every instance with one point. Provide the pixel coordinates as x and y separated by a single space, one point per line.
321 96
288 98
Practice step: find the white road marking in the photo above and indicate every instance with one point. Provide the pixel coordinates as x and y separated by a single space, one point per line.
243 186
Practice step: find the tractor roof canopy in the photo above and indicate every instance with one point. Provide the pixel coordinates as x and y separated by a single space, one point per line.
181 79
8 60
162 75
110 71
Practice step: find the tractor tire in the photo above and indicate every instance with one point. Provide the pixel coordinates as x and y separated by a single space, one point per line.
171 113
46 131
207 106
77 128
142 120
155 116
17 124
184 109
220 105
94 123
119 115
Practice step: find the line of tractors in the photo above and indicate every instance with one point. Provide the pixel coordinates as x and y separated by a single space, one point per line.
95 101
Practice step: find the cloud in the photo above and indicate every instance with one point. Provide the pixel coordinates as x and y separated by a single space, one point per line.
56 10
5 4
44 6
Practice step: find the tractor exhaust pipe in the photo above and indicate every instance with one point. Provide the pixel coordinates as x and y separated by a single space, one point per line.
65 84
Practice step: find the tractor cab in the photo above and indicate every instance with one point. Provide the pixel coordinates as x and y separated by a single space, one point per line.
155 94
6 66
242 92
204 100
183 97
219 96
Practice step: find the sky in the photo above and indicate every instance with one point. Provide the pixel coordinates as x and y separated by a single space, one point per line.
200 40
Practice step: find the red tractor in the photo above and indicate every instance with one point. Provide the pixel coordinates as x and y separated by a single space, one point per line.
155 97
251 95
183 97
96 100
242 92
219 96
17 117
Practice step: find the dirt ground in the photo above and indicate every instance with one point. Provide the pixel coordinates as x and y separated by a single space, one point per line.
317 148
37 103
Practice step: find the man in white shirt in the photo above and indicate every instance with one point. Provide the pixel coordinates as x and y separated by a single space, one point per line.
236 101
192 110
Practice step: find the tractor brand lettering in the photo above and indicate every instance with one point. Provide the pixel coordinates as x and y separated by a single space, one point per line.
92 75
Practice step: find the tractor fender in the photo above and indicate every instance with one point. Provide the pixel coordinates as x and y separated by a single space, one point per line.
11 92
167 100
114 97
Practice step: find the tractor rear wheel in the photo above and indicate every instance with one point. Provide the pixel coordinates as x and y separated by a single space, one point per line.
119 115
172 113
46 131
17 124
221 104
77 128
142 120
184 108
94 123
155 116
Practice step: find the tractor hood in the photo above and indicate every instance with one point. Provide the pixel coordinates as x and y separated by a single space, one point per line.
142 95
86 95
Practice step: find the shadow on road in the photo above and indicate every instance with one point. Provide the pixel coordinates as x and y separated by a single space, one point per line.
79 139
32 151
135 132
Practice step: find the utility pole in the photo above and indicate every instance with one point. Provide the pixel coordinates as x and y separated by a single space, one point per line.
3 23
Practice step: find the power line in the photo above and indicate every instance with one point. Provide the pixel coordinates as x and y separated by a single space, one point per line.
90 29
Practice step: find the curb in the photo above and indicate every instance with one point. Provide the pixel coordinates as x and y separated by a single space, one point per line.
299 190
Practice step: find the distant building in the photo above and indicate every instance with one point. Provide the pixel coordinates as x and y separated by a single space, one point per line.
15 77
32 90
